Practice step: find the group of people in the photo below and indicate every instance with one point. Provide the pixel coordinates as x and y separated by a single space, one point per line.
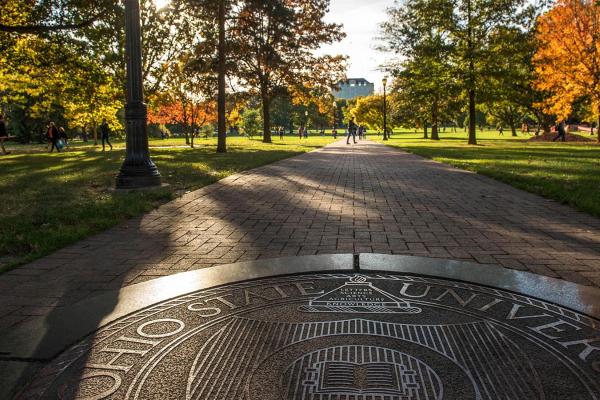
352 132
57 137
303 132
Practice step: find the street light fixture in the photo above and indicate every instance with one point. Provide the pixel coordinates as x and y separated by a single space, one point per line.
138 170
385 137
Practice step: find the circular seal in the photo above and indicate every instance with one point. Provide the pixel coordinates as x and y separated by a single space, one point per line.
335 337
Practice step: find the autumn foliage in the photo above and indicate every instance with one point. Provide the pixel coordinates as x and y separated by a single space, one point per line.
191 115
567 60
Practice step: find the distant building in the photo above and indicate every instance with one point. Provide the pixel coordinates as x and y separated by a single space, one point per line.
353 88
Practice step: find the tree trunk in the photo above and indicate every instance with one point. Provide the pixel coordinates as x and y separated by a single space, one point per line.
598 127
471 55
472 117
425 127
434 121
187 136
512 121
266 106
221 104
192 141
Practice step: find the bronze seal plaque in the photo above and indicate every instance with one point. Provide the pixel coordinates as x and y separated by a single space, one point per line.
335 337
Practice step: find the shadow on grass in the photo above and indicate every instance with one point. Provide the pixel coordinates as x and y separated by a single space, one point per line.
569 174
53 200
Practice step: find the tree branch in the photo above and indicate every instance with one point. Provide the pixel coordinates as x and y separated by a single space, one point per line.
39 29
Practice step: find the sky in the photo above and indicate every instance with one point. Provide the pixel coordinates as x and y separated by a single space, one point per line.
361 19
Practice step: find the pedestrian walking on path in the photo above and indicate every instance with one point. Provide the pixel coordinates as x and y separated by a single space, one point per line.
52 135
105 131
351 131
62 135
3 134
562 132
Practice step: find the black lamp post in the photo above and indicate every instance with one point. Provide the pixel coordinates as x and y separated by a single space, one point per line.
138 170
385 137
334 112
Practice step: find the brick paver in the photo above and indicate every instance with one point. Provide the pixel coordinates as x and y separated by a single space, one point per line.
340 199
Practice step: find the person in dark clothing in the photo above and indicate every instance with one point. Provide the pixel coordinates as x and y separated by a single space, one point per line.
562 132
62 135
3 134
105 132
361 132
351 131
52 135
281 133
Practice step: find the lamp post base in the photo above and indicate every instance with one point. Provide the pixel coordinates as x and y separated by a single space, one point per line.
138 176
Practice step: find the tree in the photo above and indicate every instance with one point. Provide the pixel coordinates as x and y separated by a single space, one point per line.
45 80
93 98
368 111
213 53
409 106
251 122
567 60
168 34
275 40
472 28
78 78
424 78
445 46
188 99
45 16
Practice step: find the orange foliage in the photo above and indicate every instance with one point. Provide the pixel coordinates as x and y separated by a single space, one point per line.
165 114
187 114
567 60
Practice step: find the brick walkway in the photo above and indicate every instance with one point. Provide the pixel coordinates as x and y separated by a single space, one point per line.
366 198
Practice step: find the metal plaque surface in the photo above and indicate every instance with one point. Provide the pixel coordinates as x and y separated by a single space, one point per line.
335 337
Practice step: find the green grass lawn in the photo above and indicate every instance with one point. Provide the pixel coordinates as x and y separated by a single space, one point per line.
50 200
566 172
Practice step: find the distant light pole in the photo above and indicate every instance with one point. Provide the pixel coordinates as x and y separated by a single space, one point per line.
138 170
385 137
306 119
334 112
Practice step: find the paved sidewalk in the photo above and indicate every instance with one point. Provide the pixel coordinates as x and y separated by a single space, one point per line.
340 199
